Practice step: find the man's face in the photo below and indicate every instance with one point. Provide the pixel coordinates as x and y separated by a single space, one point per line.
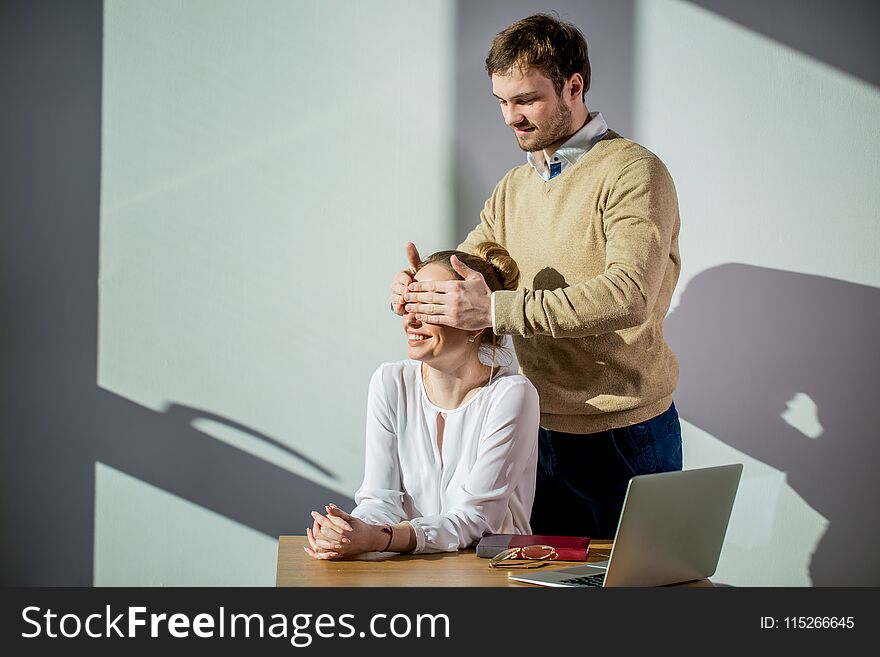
530 105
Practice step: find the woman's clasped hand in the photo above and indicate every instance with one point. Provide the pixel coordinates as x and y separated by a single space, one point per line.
339 534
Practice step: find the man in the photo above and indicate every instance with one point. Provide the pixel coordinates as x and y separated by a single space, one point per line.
592 221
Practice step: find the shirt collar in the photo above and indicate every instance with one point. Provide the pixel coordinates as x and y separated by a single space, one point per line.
574 148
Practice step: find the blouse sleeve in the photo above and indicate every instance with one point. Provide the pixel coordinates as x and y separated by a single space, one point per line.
506 453
380 498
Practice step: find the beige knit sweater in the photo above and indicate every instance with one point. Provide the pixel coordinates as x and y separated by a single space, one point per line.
597 249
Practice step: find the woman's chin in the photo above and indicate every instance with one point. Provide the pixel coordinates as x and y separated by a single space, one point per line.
414 353
427 356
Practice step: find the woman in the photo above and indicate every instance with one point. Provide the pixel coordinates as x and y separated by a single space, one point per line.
451 441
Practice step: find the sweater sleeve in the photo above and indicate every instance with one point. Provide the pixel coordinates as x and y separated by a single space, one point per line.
639 221
506 453
380 497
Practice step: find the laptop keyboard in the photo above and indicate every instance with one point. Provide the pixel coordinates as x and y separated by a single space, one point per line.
591 580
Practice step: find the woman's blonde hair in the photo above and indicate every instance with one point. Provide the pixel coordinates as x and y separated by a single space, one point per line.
492 260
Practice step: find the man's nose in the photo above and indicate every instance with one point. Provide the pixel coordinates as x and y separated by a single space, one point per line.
512 117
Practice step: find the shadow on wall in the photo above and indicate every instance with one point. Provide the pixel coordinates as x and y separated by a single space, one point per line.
54 530
55 422
842 34
754 343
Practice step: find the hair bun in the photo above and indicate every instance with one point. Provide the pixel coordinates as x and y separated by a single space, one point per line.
500 260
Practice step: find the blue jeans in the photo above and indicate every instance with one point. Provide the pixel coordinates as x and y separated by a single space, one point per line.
582 478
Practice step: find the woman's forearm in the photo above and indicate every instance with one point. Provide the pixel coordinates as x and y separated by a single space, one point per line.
404 539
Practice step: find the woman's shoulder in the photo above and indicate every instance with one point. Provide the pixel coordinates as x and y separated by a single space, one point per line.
513 380
513 387
402 373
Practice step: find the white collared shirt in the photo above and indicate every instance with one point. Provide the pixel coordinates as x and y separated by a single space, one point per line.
574 148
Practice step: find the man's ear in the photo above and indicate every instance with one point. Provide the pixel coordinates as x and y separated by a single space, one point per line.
576 86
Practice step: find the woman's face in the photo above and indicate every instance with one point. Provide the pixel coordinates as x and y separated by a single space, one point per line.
434 344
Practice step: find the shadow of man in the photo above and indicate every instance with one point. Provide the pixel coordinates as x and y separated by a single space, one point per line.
748 340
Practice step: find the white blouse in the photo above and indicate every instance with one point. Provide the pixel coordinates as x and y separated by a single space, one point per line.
485 481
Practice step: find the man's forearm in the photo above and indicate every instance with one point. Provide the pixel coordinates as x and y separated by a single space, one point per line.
611 302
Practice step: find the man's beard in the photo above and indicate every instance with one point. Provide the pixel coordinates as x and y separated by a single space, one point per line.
557 128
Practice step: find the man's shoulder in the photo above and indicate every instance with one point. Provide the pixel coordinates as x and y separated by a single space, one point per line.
617 152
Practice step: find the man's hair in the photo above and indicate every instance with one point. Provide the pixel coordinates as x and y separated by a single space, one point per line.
544 42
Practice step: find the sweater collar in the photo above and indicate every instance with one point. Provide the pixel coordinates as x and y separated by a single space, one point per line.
574 148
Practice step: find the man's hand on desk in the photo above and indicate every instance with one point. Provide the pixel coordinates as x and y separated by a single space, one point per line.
339 534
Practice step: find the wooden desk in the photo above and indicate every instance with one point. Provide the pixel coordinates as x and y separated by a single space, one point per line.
463 568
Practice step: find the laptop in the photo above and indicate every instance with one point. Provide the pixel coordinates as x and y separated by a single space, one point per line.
670 531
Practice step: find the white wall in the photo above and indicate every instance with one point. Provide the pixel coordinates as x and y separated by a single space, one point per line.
263 166
264 162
